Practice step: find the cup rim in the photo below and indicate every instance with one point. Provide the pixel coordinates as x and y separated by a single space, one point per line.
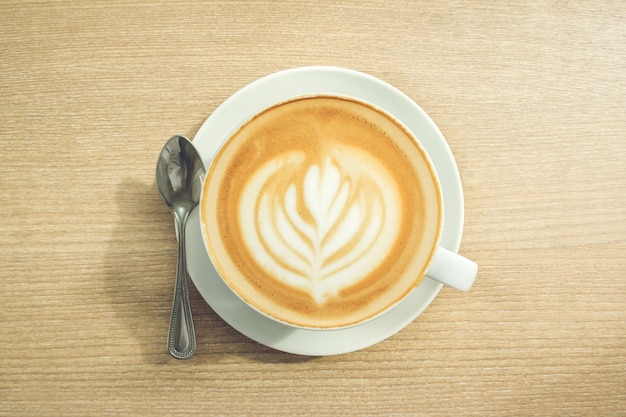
431 168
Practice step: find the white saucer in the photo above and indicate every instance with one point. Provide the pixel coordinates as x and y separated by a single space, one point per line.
312 80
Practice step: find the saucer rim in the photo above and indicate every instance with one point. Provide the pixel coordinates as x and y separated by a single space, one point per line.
323 80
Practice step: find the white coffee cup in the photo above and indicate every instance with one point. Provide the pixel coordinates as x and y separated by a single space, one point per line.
324 212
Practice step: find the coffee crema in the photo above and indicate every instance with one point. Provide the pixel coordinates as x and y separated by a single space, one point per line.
321 212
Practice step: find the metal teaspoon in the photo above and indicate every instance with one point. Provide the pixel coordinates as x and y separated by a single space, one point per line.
179 175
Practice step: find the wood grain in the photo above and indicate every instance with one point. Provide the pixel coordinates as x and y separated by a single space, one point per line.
531 97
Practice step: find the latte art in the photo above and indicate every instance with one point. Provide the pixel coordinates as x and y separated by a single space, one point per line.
323 229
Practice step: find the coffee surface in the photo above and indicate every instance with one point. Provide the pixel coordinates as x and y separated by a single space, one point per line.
321 212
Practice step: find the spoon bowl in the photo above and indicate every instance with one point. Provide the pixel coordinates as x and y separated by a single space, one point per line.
179 175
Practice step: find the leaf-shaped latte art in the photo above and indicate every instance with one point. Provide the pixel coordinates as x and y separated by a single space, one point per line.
324 227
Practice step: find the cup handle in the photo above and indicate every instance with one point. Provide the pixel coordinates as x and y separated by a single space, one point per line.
452 269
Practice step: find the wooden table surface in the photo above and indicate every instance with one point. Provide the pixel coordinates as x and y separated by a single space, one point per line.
531 97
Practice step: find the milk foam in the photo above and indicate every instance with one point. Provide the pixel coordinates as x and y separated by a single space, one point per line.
320 226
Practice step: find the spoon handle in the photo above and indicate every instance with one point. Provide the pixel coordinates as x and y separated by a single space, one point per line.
181 338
